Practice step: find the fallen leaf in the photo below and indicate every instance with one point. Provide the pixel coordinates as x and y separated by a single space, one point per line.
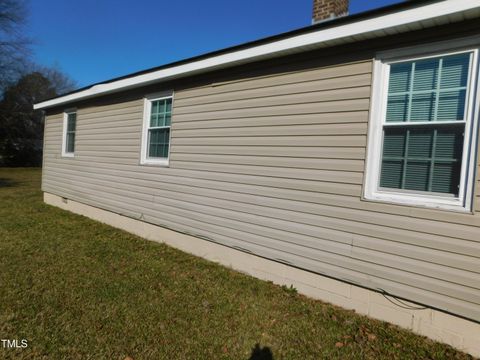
339 344
372 337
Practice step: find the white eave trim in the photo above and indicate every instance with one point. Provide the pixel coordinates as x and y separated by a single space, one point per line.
400 21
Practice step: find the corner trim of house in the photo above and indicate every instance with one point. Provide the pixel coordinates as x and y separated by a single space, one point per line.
434 324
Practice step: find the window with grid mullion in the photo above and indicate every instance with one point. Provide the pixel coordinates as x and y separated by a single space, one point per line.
159 128
425 123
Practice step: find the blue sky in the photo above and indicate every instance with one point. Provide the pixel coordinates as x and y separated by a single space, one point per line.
95 40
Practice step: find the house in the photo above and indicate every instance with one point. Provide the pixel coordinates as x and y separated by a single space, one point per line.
341 158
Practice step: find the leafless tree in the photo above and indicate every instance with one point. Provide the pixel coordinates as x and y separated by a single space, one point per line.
59 81
14 46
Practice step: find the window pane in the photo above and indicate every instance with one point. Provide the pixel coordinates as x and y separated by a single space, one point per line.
394 143
449 143
422 158
400 77
158 143
426 75
451 105
391 176
161 113
397 108
420 143
438 92
154 107
70 145
446 178
423 107
168 119
154 120
71 121
455 71
417 176
161 106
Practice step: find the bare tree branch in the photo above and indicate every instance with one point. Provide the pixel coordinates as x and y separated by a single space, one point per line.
14 46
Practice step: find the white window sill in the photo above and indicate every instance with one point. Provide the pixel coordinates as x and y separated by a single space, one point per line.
155 162
68 155
424 201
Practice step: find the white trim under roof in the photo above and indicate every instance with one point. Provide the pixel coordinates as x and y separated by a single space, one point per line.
420 17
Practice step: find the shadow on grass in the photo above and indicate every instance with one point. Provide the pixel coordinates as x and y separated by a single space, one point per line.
259 353
7 183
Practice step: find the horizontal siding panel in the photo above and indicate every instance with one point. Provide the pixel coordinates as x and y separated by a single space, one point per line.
175 191
119 133
354 227
341 141
296 109
107 122
194 177
278 120
100 148
108 141
325 192
279 89
290 130
115 157
279 151
291 162
109 109
304 174
279 100
273 80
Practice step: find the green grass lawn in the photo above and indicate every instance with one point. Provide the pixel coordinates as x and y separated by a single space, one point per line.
78 289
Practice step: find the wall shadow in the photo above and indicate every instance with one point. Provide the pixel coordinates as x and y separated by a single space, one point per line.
259 353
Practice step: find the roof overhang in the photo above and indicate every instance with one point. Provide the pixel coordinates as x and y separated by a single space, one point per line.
399 20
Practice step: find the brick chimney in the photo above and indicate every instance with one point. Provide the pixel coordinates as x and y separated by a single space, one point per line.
324 10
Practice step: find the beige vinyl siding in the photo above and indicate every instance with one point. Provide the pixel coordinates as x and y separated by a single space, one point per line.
273 164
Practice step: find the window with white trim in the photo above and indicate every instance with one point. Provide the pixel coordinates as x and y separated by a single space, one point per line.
156 130
69 129
422 139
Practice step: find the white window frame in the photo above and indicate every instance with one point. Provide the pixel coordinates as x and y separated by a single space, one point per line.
378 109
65 129
147 109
